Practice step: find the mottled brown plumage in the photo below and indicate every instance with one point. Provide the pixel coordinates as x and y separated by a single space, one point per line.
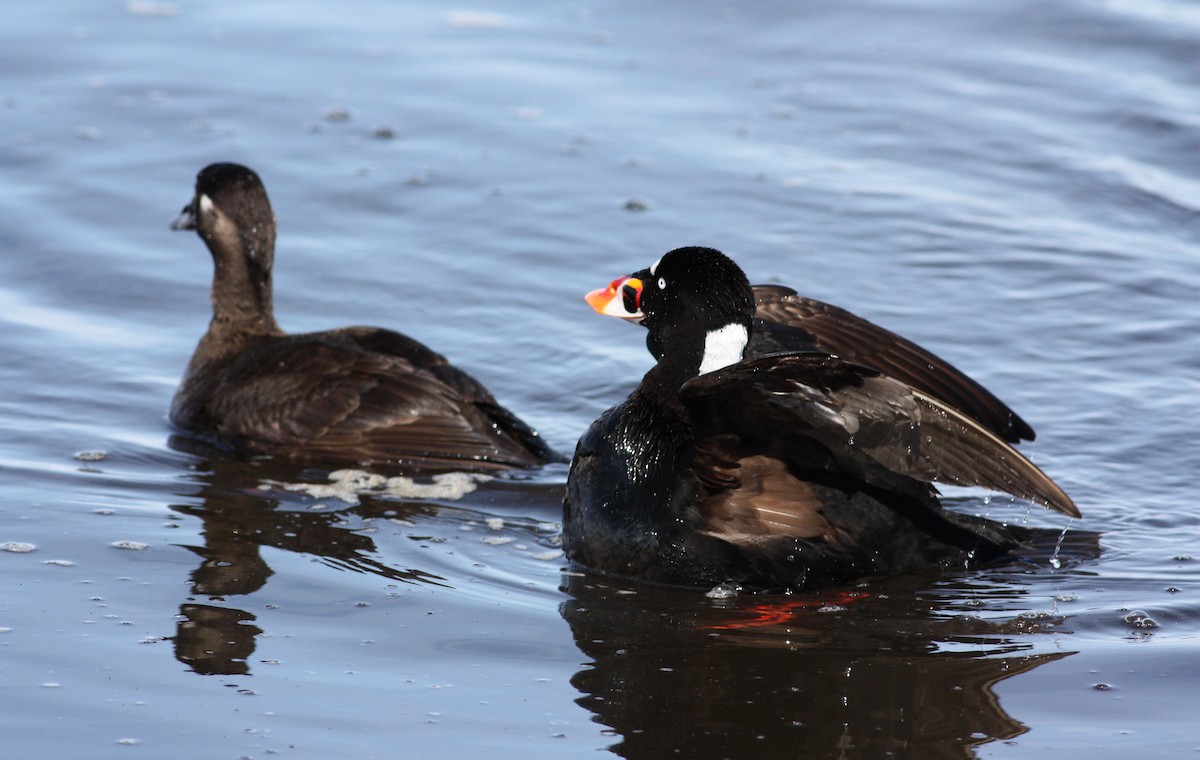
355 395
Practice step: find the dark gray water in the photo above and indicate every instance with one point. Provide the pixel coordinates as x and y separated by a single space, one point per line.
1016 185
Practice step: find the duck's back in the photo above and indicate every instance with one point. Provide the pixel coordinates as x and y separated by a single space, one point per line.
353 395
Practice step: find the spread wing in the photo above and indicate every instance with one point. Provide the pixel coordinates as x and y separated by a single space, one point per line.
846 421
786 321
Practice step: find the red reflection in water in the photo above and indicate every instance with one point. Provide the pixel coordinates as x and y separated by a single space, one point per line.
774 613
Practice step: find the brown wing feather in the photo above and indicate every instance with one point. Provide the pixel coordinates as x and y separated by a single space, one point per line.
791 322
866 425
757 496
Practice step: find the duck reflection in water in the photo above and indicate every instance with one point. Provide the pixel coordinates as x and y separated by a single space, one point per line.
847 673
216 638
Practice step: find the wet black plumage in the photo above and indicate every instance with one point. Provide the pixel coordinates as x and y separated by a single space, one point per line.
354 395
788 470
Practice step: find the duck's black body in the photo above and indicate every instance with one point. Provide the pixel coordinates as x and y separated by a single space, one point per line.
355 395
784 471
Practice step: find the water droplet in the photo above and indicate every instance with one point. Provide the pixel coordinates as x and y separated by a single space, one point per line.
1034 615
722 591
1139 619
1056 561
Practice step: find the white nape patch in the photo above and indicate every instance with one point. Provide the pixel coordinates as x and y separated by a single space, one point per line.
654 266
206 204
723 347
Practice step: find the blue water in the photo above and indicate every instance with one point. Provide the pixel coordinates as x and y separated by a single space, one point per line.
1015 185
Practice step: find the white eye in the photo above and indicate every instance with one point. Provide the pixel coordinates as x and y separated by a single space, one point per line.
662 283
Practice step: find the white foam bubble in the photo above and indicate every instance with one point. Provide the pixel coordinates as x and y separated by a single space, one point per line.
349 485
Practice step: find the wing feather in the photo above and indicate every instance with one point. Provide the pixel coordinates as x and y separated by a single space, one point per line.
856 421
358 395
786 321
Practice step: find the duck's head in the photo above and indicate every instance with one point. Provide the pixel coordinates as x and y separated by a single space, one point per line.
696 302
231 212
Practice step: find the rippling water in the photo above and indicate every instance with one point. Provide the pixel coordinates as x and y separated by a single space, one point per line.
1013 184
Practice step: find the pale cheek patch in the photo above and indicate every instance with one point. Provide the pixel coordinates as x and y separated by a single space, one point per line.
723 347
206 204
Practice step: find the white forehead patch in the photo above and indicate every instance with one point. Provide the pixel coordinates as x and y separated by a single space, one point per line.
206 204
723 346
654 266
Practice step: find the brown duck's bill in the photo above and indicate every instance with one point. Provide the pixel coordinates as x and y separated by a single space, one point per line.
616 300
186 219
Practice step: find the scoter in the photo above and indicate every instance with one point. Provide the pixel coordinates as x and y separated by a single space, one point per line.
782 471
348 396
